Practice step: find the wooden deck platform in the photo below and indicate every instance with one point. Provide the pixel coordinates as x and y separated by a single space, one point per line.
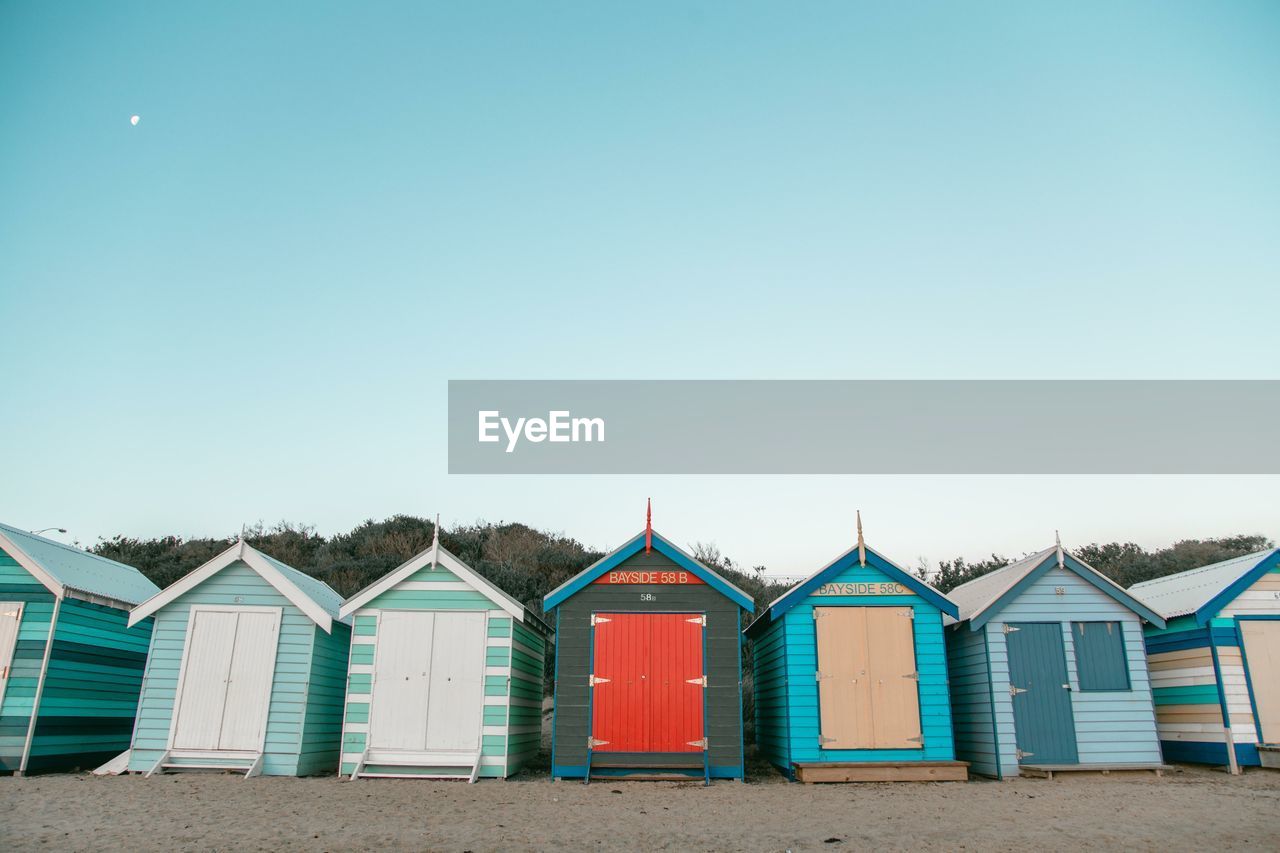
1046 771
882 771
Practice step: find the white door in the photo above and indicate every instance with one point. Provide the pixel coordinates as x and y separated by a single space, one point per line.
10 618
225 686
401 681
456 699
428 682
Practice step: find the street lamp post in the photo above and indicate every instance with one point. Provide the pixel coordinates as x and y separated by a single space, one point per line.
47 529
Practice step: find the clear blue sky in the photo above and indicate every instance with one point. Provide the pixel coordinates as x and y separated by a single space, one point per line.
247 306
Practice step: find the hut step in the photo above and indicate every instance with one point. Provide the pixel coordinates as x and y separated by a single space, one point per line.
882 771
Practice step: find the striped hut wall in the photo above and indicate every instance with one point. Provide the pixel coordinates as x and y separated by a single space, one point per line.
430 589
1260 599
524 697
90 696
1186 692
28 658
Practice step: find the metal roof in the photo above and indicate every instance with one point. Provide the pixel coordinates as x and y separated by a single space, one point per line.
981 592
71 567
1187 592
314 588
982 598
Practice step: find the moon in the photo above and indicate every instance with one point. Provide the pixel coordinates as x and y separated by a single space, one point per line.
133 120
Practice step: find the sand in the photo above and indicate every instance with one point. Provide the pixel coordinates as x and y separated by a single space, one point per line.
1190 808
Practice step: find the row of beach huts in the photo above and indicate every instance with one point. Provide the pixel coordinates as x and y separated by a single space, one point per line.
862 672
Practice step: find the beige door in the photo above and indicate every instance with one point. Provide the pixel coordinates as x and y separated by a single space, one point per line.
1262 649
868 696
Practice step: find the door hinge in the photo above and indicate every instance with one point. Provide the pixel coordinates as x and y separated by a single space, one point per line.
919 739
823 741
596 620
701 743
4 672
701 680
1009 629
909 613
1021 755
1014 691
701 620
592 743
914 676
593 680
816 613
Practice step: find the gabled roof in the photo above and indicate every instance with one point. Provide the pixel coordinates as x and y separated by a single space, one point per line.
439 555
982 598
62 567
633 546
839 565
313 597
1208 589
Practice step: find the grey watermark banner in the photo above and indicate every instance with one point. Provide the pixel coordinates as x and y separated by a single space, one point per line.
863 427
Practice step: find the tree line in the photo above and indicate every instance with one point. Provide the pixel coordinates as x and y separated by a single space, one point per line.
529 563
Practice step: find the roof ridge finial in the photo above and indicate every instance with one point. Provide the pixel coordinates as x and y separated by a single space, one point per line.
1057 544
862 545
648 525
435 543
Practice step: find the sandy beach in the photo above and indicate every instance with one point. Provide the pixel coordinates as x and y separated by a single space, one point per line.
1190 807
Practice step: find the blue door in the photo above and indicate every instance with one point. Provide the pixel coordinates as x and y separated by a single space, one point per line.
1044 726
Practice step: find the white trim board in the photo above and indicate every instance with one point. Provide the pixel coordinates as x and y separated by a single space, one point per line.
33 568
241 552
433 556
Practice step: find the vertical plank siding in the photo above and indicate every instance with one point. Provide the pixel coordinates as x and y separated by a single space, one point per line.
514 653
322 723
1111 726
290 690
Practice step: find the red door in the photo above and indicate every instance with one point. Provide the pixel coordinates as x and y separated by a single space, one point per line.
648 682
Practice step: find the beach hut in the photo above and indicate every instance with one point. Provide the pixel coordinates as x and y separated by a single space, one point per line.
446 675
850 676
648 667
1048 672
1215 667
245 671
70 664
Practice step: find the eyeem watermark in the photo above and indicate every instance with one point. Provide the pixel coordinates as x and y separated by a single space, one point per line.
558 426
864 427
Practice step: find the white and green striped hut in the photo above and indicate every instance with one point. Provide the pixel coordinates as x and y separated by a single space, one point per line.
445 679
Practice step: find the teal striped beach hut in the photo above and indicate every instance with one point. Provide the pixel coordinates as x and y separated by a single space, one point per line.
245 671
850 673
446 675
1215 666
1048 671
70 664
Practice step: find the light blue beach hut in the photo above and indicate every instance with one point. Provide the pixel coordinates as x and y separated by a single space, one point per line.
1048 671
246 671
850 675
70 661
